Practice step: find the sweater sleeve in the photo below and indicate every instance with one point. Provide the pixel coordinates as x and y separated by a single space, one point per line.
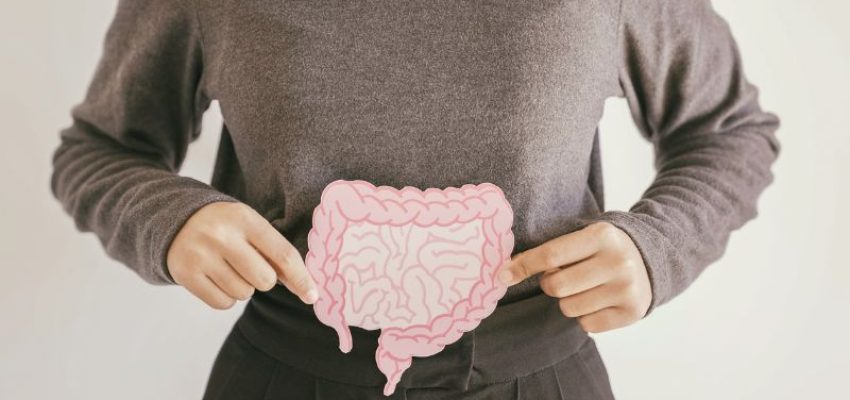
682 77
115 169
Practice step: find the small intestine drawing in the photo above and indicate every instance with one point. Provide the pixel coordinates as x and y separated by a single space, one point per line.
420 265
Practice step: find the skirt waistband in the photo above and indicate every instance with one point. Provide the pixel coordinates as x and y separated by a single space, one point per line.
518 339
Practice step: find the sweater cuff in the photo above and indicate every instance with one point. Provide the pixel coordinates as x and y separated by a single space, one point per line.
652 246
164 225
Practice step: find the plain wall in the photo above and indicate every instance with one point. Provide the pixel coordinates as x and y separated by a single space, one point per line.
769 320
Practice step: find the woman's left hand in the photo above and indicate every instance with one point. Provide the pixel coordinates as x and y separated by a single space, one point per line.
597 273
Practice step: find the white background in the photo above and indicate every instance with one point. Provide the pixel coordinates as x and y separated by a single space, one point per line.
768 321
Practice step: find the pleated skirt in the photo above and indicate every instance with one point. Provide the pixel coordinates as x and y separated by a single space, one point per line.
242 371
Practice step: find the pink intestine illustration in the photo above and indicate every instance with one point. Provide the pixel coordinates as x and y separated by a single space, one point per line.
419 265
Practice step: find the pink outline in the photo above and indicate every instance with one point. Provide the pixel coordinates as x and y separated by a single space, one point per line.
343 202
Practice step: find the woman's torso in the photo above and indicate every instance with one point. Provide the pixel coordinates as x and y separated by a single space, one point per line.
424 94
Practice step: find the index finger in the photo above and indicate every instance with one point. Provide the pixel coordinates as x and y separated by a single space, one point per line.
285 259
561 251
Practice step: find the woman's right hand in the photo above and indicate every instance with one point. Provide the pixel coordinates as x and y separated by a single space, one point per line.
226 250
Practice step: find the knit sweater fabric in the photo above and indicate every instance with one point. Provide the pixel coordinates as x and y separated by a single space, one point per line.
416 93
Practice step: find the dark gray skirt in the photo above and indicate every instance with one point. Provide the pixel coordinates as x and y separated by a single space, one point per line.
242 371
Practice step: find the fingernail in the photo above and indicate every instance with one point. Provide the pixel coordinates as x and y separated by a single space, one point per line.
311 296
506 275
297 262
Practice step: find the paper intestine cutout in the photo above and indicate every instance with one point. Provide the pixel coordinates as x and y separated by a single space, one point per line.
418 265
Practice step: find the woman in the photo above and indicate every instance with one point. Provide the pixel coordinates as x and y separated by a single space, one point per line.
424 94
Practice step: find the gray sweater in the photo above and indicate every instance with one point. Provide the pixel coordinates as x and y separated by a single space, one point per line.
423 93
